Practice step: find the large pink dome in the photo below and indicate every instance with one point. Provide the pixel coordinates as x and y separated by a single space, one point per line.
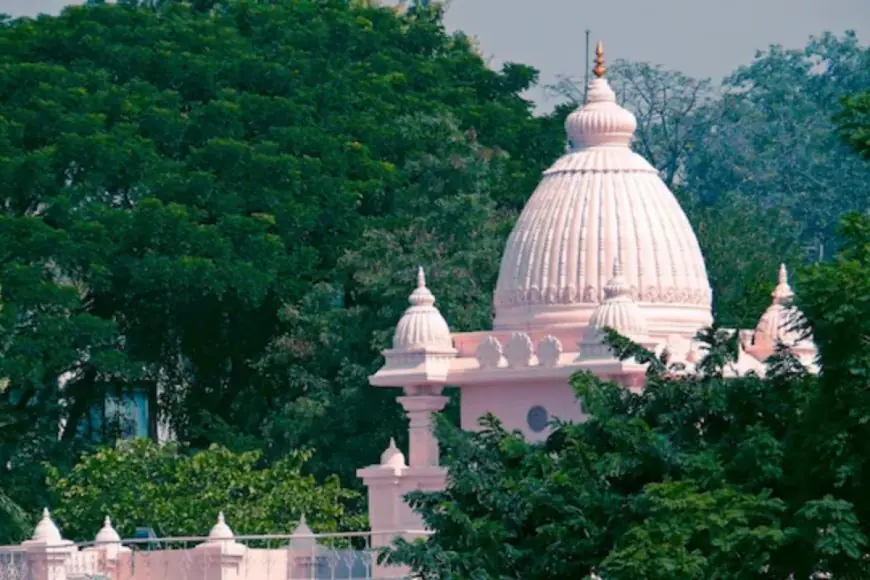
598 204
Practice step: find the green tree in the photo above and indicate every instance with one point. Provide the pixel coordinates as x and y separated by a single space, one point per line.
743 243
179 178
854 122
140 483
449 222
771 138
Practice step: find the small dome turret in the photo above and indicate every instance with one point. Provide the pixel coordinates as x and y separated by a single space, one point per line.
220 531
780 323
392 456
107 533
619 311
422 325
601 121
46 531
422 344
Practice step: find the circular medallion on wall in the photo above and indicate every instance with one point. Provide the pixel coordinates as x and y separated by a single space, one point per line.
537 418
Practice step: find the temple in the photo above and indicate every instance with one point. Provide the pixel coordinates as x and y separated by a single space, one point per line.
602 242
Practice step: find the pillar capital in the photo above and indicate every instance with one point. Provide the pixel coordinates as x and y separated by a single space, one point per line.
420 402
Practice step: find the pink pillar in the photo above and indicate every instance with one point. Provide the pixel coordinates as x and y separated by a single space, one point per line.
48 553
47 561
220 560
221 557
420 402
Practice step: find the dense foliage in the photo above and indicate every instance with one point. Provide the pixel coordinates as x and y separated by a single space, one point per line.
695 477
183 183
676 482
178 494
698 476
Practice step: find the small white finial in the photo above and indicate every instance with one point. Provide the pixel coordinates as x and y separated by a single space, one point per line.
421 296
302 537
617 286
392 457
221 531
782 293
46 530
107 534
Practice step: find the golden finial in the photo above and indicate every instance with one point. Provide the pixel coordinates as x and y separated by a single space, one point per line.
599 69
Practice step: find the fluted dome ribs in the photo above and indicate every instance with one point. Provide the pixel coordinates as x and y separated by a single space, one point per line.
422 325
598 203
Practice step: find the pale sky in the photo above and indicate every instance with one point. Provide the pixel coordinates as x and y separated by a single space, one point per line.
702 38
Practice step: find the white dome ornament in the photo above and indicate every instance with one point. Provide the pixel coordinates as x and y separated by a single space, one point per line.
220 531
422 344
109 540
303 537
46 531
780 323
422 325
107 533
392 457
221 540
619 312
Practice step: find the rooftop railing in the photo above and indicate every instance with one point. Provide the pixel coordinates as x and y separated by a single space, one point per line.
302 555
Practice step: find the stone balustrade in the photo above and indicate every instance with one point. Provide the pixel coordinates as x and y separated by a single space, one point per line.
222 555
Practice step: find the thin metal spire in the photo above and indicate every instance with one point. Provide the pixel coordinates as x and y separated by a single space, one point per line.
586 73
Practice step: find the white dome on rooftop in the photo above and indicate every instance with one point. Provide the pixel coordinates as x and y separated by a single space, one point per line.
422 326
392 457
596 204
107 533
782 322
46 530
619 311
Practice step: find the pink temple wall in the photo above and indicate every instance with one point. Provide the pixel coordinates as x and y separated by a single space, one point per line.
211 560
511 404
